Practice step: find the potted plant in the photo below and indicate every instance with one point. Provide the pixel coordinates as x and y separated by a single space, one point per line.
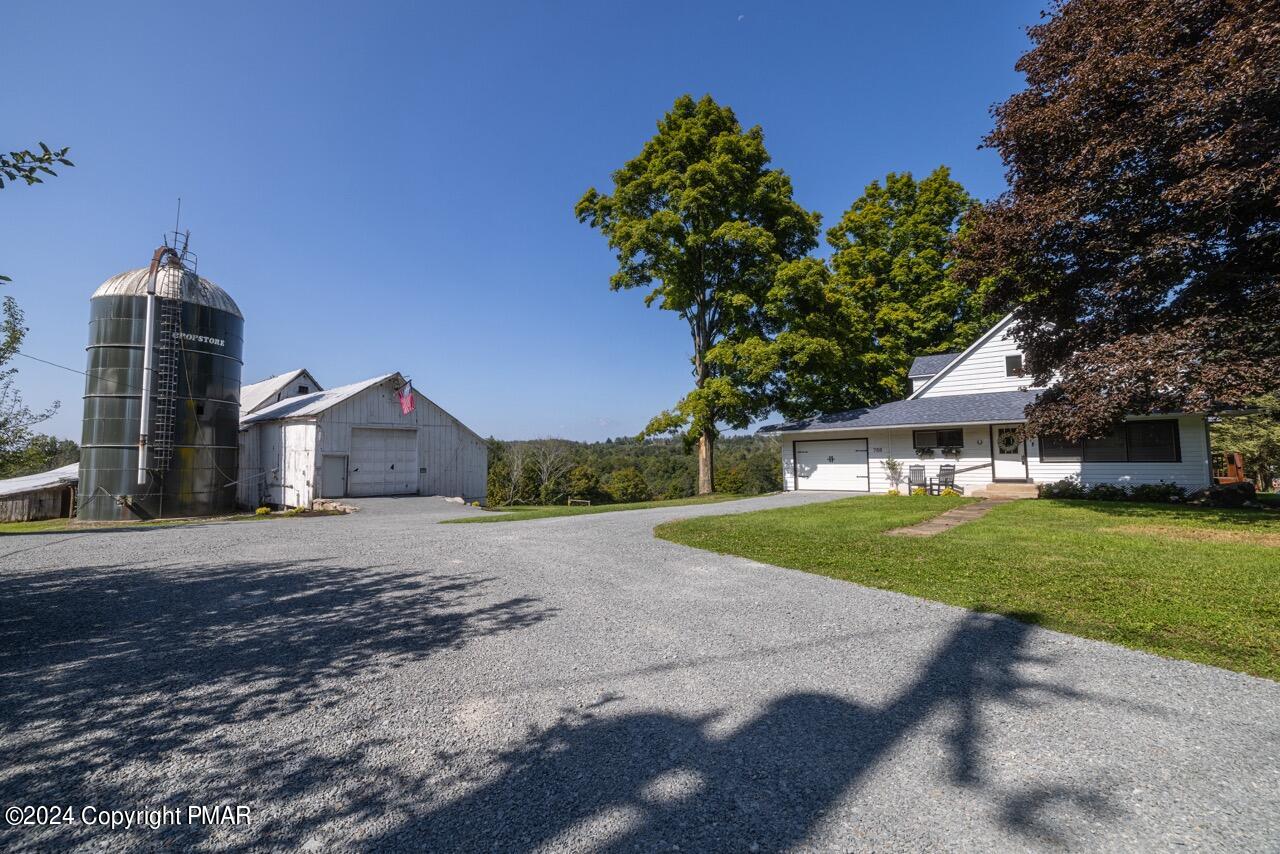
924 453
952 451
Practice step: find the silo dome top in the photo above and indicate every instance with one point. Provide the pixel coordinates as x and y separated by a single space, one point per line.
171 283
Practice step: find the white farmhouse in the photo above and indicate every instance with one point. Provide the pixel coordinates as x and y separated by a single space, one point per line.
966 410
299 442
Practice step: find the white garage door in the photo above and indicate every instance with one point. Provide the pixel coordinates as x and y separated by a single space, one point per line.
839 464
383 462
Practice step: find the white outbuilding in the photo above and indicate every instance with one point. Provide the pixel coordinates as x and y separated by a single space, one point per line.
299 443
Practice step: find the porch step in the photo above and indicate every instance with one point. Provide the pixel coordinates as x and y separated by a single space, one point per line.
1007 490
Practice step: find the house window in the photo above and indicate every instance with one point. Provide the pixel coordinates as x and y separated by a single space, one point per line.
938 438
1107 449
1055 449
304 389
1013 366
1153 442
1131 442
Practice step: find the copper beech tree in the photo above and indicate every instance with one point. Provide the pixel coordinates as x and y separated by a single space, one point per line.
1140 235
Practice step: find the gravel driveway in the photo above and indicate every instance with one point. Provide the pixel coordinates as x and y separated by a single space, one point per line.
378 681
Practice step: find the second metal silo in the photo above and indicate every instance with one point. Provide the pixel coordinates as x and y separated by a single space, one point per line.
186 463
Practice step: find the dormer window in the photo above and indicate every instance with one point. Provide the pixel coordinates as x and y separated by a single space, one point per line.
1013 366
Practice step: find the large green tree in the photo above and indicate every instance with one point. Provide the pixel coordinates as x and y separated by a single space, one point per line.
1140 235
844 332
700 220
892 255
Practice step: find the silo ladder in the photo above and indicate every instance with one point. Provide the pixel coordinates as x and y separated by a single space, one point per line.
166 383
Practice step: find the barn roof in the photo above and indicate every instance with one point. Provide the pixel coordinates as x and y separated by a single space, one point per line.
255 394
307 405
988 408
68 475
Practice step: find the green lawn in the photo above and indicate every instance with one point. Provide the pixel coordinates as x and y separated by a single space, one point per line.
546 511
1202 585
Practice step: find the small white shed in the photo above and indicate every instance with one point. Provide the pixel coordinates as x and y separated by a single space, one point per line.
355 441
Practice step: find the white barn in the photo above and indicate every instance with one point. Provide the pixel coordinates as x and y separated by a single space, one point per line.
966 410
298 444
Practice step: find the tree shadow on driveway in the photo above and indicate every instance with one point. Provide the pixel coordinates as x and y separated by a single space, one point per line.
650 781
114 679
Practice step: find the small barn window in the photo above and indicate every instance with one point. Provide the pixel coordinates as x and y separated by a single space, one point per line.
1013 366
304 389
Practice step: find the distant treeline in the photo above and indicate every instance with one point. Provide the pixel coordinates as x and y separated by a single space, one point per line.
552 471
39 454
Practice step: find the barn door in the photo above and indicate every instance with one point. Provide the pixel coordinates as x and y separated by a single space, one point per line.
384 461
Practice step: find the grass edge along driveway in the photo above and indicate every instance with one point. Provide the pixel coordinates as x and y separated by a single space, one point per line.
1200 585
521 512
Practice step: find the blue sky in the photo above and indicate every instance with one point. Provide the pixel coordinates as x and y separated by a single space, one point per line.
390 186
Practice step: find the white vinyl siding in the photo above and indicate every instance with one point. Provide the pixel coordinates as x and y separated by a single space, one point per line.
981 371
973 467
1192 471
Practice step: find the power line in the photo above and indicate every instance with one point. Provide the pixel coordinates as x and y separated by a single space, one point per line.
74 370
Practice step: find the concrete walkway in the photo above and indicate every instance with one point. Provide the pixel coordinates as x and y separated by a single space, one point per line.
950 519
379 682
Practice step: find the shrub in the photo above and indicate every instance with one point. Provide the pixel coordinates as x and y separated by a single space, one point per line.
919 490
1157 493
1107 492
627 485
1068 487
893 471
893 491
262 511
582 482
732 481
949 492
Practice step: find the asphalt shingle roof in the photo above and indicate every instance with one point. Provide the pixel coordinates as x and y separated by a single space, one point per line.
990 407
927 366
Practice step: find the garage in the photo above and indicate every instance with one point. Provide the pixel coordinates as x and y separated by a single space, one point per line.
833 464
384 461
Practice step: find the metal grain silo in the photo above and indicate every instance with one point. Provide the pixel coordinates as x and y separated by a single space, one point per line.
164 335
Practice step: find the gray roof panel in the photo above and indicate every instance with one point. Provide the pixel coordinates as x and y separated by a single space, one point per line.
171 283
310 405
68 475
927 366
988 408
